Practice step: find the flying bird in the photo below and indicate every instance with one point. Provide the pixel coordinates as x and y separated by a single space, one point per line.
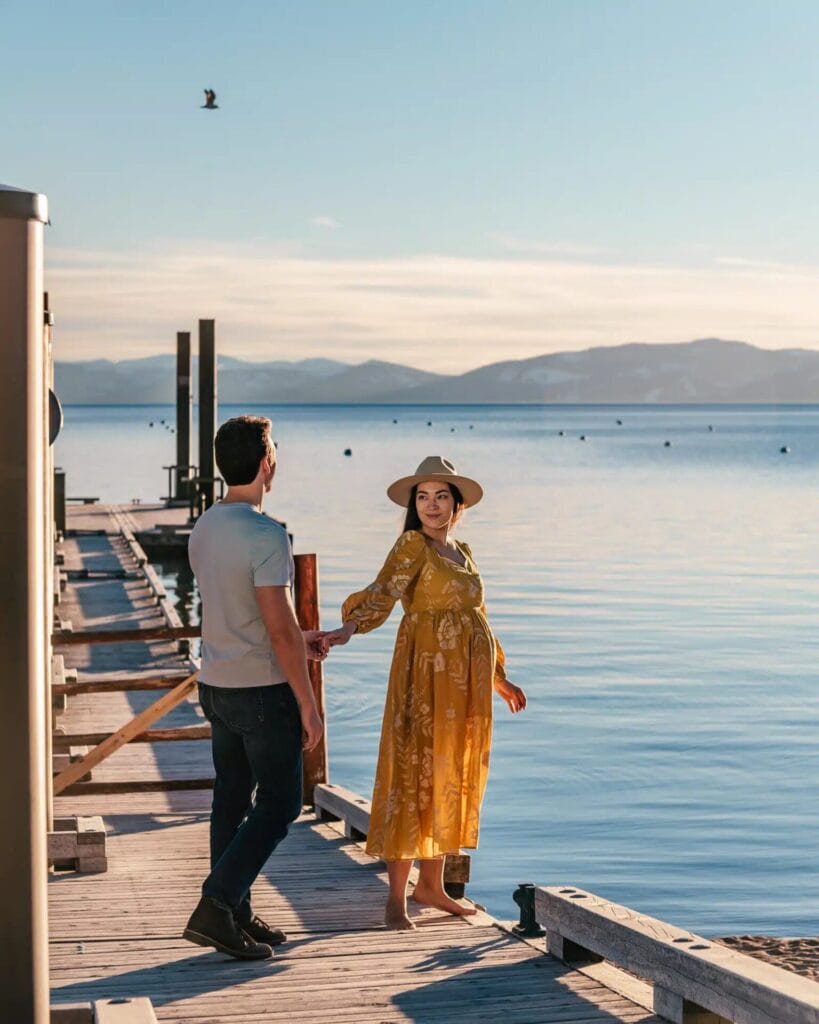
210 101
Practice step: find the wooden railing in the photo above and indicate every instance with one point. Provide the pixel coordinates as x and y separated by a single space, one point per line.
138 730
695 980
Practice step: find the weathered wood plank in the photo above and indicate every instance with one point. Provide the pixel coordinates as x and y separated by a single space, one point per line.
185 733
705 974
124 1011
136 786
71 637
73 1013
123 685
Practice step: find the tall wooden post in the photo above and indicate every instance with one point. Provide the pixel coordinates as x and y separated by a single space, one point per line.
307 610
184 409
207 411
23 443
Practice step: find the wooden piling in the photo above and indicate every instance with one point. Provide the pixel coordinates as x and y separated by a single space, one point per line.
207 412
184 411
307 610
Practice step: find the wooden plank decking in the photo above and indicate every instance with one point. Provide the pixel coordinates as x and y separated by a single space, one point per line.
117 934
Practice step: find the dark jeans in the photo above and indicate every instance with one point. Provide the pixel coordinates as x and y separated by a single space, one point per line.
256 744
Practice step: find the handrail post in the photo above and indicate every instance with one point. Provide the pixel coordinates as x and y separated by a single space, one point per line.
316 769
24 994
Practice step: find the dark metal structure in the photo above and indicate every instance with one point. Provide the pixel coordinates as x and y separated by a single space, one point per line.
184 417
207 413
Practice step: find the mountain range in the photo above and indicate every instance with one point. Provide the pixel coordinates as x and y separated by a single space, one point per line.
706 370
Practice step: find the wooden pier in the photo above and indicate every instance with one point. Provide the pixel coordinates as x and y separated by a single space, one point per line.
141 823
115 935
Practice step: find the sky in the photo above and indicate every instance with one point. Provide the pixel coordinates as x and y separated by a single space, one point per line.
443 184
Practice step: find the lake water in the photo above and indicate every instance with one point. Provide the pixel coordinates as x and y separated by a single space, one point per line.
658 604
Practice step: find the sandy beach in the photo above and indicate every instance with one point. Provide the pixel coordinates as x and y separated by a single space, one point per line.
798 955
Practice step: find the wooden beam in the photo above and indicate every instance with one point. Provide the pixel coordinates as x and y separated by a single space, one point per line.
72 1013
137 1010
337 803
316 770
78 843
124 636
695 981
58 685
115 685
136 786
137 725
188 732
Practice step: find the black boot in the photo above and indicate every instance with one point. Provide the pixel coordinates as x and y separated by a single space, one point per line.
260 931
213 924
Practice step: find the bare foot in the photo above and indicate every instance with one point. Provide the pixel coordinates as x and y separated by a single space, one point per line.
395 918
440 900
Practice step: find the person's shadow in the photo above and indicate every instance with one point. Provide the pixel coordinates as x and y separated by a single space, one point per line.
174 980
532 990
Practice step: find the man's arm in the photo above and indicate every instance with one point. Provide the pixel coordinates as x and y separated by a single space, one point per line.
279 617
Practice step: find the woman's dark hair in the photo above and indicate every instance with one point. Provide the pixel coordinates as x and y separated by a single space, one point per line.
240 446
413 520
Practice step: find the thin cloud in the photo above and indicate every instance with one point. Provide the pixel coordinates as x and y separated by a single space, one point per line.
442 313
513 243
325 222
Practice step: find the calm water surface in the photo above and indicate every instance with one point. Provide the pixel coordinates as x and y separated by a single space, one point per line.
658 604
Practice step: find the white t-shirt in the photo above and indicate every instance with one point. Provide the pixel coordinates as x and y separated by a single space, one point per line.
233 549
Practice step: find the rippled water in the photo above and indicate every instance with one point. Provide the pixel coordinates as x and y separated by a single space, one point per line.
659 605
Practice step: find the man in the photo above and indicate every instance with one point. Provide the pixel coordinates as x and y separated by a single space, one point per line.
253 687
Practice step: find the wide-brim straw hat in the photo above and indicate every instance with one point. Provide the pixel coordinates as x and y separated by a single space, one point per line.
435 467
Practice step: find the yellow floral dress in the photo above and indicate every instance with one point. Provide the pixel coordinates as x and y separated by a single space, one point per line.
434 755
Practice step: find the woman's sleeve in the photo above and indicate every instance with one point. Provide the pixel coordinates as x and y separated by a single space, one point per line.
500 656
371 607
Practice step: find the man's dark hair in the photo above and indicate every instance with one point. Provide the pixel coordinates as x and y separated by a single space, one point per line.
241 444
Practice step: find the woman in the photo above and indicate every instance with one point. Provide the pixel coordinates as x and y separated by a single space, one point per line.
435 738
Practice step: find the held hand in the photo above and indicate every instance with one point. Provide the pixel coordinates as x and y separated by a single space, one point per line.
513 695
312 727
315 644
341 635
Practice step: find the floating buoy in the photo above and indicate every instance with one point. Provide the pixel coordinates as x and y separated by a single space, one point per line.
348 451
784 449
